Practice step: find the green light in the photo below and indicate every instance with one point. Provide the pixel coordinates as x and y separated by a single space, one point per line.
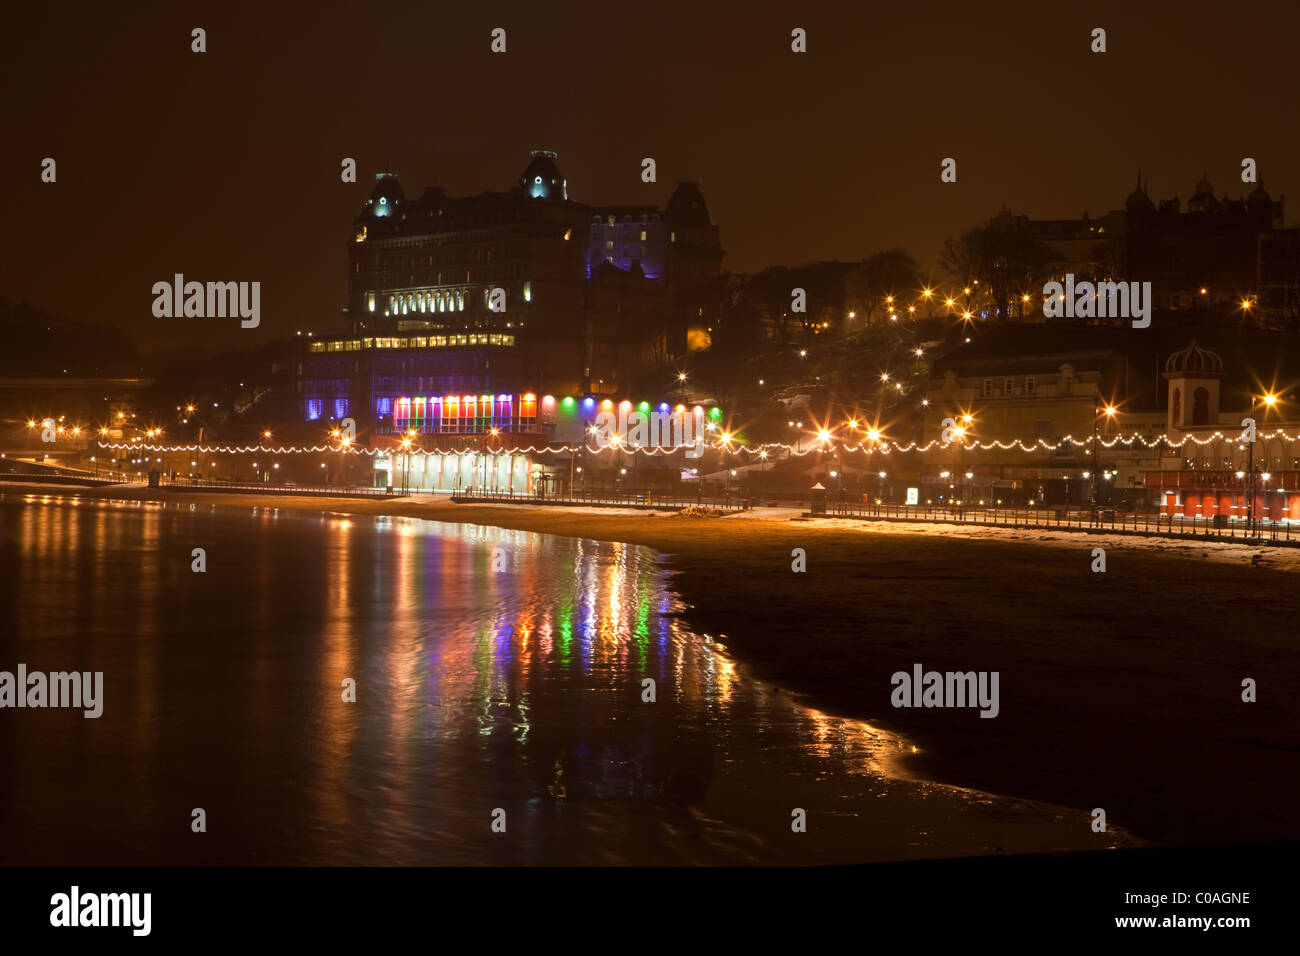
715 413
644 406
568 401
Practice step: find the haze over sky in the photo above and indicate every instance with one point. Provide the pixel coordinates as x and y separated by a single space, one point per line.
225 165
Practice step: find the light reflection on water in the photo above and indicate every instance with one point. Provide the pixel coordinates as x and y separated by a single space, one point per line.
477 689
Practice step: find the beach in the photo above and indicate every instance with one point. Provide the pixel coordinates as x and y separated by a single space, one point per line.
1120 690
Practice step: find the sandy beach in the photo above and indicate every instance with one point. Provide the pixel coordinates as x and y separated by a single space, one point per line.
1120 690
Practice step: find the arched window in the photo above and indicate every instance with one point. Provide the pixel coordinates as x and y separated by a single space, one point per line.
1201 407
1178 406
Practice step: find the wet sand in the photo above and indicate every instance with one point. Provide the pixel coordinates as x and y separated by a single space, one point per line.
1119 690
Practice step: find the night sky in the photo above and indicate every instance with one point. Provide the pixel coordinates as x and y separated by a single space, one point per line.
225 165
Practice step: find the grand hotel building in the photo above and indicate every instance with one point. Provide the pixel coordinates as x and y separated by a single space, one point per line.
464 313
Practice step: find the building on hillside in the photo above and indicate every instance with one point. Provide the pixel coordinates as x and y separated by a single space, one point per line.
526 289
1041 400
1208 251
1168 421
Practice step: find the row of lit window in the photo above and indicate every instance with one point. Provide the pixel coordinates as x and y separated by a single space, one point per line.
417 342
427 302
467 406
438 301
316 408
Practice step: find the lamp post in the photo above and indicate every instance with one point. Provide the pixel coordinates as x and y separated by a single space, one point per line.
406 461
1268 402
1097 411
961 431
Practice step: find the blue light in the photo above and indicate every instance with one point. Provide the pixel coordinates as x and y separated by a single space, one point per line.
588 402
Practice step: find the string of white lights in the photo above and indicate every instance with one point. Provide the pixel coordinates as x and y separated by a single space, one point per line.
881 446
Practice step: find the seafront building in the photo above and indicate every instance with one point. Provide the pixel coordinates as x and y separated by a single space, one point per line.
490 322
1168 425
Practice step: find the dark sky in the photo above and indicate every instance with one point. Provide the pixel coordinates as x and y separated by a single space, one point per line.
225 165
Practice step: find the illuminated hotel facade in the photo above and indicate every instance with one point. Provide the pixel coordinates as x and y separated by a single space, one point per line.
524 444
505 291
465 312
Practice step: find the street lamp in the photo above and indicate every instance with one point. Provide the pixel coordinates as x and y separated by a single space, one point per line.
1268 402
1109 411
406 462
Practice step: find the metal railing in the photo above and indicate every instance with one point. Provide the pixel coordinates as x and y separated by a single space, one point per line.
181 483
607 499
14 470
1218 528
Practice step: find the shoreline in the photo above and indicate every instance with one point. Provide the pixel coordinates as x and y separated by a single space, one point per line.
1119 690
